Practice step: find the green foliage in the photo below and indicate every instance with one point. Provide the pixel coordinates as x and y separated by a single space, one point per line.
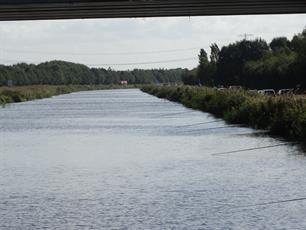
67 73
190 77
214 53
204 74
232 59
282 115
279 43
254 64
271 71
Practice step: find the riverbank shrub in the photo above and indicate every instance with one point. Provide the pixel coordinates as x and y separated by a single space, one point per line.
280 115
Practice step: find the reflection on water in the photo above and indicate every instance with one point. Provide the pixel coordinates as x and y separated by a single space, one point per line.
122 159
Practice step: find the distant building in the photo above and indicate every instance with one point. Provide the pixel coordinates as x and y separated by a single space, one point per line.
9 83
123 82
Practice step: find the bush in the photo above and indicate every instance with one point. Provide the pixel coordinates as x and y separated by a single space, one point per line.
281 115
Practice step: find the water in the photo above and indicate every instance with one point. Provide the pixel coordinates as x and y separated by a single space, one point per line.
122 159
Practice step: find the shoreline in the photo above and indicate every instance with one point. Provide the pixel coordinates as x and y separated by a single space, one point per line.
283 116
17 94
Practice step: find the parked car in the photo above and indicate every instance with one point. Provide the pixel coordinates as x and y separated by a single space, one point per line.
270 92
235 87
253 91
285 91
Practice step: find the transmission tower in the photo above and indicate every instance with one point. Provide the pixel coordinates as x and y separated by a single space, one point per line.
246 36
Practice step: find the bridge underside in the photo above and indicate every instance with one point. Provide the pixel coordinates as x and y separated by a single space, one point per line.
73 9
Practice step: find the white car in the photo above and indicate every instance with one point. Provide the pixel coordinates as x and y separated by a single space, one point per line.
270 92
285 91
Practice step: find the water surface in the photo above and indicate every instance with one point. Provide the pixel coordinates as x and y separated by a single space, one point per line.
122 159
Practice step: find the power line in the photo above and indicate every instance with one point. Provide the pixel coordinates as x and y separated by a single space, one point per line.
245 35
213 128
122 64
201 123
144 63
273 202
13 61
99 54
249 149
174 114
236 208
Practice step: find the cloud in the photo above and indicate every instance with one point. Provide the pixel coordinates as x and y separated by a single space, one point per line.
130 35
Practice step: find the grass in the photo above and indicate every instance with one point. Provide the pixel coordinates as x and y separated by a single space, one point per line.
281 115
26 93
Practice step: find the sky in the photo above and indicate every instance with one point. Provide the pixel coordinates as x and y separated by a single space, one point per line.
145 43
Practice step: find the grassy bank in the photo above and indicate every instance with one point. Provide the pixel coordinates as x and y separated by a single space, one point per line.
282 115
26 93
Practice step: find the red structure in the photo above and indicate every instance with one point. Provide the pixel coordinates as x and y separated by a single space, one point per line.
123 82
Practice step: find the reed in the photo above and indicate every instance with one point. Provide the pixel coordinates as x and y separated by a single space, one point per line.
280 115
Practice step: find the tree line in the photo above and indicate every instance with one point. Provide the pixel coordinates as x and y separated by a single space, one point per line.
254 64
67 73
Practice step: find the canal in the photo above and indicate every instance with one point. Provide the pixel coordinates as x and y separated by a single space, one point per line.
122 159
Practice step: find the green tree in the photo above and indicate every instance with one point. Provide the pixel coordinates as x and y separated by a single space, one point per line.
233 57
203 73
214 53
279 43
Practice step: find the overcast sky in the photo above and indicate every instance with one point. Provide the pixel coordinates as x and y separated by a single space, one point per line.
105 42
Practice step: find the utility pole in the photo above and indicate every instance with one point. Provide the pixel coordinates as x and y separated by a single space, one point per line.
245 36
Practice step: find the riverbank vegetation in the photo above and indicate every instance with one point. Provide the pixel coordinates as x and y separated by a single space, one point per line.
26 93
281 115
254 64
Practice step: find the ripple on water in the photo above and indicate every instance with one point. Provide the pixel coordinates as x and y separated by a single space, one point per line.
122 159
